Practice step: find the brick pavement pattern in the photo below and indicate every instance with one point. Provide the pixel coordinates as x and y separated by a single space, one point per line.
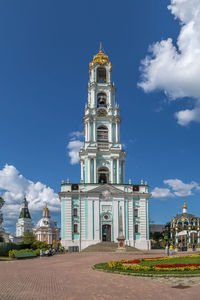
70 276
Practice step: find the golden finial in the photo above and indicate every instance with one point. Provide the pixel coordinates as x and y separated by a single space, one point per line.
184 205
46 208
101 58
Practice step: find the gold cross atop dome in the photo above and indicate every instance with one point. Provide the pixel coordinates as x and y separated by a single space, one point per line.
46 208
100 58
184 205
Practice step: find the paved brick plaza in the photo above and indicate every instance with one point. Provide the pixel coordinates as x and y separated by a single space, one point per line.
70 276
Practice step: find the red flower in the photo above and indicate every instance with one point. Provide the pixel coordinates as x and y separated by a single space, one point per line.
135 261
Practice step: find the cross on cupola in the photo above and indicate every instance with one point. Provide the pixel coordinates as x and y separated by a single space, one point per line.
102 157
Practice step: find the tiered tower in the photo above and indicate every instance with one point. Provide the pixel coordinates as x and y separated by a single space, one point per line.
102 157
24 222
91 211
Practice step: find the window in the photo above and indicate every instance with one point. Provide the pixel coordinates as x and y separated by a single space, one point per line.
102 134
136 228
75 228
101 100
101 75
75 212
135 213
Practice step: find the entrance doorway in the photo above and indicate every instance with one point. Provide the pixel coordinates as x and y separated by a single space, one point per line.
106 233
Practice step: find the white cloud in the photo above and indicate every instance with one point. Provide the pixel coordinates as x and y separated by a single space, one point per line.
74 146
176 188
184 117
175 68
14 186
181 189
161 193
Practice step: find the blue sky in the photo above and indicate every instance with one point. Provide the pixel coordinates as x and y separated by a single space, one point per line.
45 50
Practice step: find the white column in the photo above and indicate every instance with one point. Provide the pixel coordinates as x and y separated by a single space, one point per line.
117 138
86 132
89 131
96 219
143 212
130 221
90 220
81 170
68 225
94 130
115 213
89 170
117 170
95 170
123 162
111 170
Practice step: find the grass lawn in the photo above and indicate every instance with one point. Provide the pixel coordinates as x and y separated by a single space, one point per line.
4 258
173 260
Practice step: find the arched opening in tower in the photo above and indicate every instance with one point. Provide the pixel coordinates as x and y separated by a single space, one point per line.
101 100
103 175
101 75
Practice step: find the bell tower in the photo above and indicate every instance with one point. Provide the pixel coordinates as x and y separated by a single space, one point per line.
102 157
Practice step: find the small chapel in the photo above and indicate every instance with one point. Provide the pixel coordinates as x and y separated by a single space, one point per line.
46 229
92 210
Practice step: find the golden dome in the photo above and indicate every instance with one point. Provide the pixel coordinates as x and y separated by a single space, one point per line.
184 205
101 58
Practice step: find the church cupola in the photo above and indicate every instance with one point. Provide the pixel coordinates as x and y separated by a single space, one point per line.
100 68
184 207
46 212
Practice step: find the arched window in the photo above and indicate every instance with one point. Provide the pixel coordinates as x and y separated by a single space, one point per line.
101 75
103 175
101 100
102 133
75 212
75 228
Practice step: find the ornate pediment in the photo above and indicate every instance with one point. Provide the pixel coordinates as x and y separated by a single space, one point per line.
106 190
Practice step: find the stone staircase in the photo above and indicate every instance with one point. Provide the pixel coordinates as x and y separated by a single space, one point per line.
108 247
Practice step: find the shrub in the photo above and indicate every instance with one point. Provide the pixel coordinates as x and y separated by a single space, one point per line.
37 252
6 247
12 252
40 245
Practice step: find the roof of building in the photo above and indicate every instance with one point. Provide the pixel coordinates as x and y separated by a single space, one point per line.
24 213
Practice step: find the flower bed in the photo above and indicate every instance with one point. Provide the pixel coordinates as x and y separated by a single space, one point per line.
157 265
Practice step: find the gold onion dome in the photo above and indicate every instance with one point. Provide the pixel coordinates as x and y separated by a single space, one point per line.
184 205
100 58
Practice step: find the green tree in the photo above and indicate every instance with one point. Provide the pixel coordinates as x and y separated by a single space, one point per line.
1 238
28 237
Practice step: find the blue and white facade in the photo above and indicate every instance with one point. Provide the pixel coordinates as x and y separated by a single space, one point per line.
90 210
